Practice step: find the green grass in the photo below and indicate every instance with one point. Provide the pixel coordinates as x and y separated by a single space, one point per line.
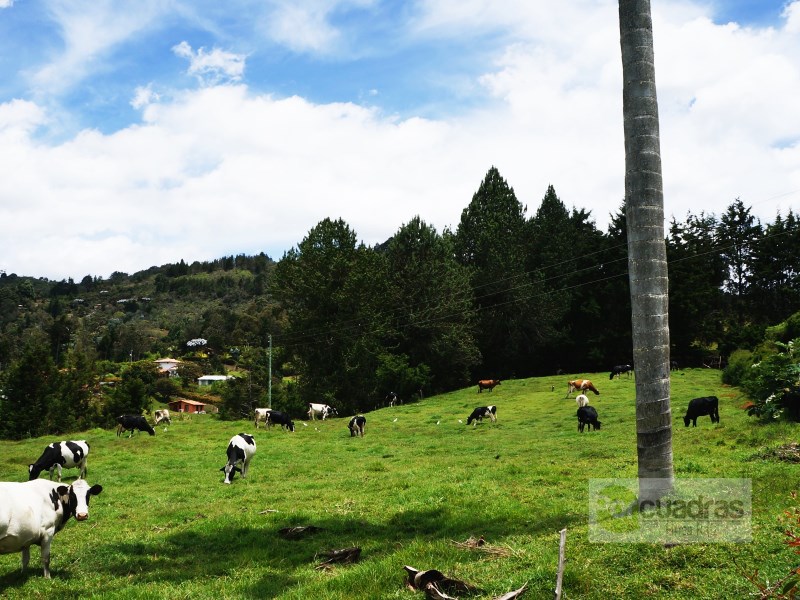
166 527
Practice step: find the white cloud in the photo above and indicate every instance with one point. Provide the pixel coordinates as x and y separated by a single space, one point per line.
6 3
213 67
223 169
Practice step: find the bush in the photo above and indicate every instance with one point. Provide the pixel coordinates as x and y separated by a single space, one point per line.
773 384
739 364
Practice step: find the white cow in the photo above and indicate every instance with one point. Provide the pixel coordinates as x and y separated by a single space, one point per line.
32 512
162 415
261 415
581 400
320 410
241 449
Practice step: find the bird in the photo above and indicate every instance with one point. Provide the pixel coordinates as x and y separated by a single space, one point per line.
460 421
437 422
395 420
304 424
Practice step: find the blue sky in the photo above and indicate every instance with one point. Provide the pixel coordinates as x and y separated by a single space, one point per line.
193 129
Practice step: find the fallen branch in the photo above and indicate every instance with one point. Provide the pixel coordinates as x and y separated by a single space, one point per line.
295 533
344 556
512 595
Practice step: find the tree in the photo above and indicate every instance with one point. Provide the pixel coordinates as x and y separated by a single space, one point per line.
432 338
738 233
332 289
516 317
647 260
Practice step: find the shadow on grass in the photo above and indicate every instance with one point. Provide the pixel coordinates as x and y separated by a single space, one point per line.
215 549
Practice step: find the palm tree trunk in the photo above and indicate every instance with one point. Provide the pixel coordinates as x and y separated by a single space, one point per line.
647 258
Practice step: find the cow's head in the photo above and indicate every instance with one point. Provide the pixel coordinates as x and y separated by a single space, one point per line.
230 472
75 498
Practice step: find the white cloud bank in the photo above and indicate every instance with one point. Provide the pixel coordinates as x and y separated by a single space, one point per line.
223 170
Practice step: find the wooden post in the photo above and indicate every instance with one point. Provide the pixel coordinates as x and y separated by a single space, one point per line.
561 559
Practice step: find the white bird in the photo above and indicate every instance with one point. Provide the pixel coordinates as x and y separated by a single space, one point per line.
437 422
165 428
304 424
460 421
395 419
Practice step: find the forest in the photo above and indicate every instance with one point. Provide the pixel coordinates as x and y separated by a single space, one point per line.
506 294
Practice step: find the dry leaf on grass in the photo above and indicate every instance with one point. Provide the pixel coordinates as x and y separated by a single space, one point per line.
344 556
295 533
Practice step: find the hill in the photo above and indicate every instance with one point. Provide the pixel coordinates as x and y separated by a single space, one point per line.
419 482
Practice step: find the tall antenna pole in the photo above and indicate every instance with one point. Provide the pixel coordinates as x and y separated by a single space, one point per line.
269 384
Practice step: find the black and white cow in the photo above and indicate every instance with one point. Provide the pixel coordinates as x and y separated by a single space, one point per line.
620 369
162 415
356 425
133 423
483 411
587 415
275 417
391 399
699 407
32 512
582 400
68 455
320 410
261 415
240 451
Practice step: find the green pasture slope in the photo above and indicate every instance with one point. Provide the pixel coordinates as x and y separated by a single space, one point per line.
166 527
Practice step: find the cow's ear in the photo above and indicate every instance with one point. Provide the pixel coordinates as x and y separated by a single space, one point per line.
95 489
63 491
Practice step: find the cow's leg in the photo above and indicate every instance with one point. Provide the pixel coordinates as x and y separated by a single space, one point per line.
52 468
58 466
46 556
83 470
26 557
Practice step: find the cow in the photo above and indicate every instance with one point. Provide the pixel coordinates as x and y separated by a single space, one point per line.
580 385
275 417
699 407
261 414
391 398
587 415
32 512
673 365
356 425
582 400
68 455
320 410
482 411
241 449
619 370
133 423
161 416
487 384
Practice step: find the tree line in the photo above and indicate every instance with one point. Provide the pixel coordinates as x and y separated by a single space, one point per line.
504 294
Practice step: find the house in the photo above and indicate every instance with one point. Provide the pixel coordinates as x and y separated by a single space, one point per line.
182 405
209 379
168 366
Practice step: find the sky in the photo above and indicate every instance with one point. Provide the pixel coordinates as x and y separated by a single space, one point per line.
139 134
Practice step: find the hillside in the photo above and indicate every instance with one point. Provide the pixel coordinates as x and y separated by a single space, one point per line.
419 481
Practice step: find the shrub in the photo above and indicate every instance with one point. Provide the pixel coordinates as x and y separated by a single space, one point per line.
773 384
739 364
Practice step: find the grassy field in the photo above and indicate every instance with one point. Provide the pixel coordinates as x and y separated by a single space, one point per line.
166 527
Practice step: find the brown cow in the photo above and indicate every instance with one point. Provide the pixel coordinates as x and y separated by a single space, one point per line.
580 385
487 384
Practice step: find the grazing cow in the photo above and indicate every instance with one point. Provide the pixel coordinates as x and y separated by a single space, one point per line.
673 365
482 411
133 423
32 512
582 400
320 410
275 417
487 384
620 369
241 449
699 407
391 398
162 415
68 455
580 385
356 425
262 414
587 415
